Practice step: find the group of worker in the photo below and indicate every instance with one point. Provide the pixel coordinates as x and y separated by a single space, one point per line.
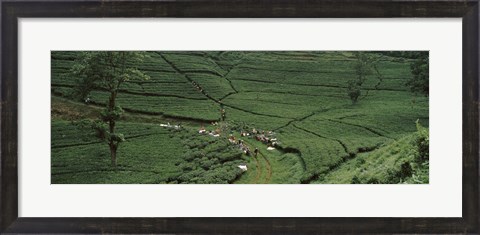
265 137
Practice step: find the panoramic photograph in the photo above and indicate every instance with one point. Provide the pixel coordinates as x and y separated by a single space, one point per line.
239 117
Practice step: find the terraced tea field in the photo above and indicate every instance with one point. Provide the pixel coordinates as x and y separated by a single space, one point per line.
297 98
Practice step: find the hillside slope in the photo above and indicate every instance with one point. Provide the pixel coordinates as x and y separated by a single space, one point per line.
300 96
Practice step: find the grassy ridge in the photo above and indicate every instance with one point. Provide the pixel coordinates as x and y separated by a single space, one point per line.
382 166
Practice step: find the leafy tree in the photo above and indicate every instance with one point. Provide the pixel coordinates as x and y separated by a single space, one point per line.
365 65
354 91
419 83
107 70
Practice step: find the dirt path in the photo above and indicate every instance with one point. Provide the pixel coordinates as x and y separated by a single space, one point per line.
263 168
258 171
268 168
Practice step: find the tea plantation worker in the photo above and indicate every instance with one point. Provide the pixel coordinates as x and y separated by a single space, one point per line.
256 152
232 139
246 150
223 114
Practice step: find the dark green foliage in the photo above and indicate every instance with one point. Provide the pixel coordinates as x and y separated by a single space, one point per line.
107 70
355 180
365 65
421 155
405 170
354 91
100 128
419 83
207 159
111 115
422 142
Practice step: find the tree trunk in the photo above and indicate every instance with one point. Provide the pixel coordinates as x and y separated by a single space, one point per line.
111 123
113 153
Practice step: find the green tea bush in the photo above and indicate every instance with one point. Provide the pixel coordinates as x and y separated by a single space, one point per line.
422 143
355 180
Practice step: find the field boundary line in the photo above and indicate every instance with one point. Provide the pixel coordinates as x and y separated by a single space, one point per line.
364 127
318 85
328 138
125 91
100 142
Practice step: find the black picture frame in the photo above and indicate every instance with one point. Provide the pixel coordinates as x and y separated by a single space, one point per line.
11 11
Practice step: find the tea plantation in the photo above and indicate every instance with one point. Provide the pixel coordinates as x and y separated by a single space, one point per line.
297 98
